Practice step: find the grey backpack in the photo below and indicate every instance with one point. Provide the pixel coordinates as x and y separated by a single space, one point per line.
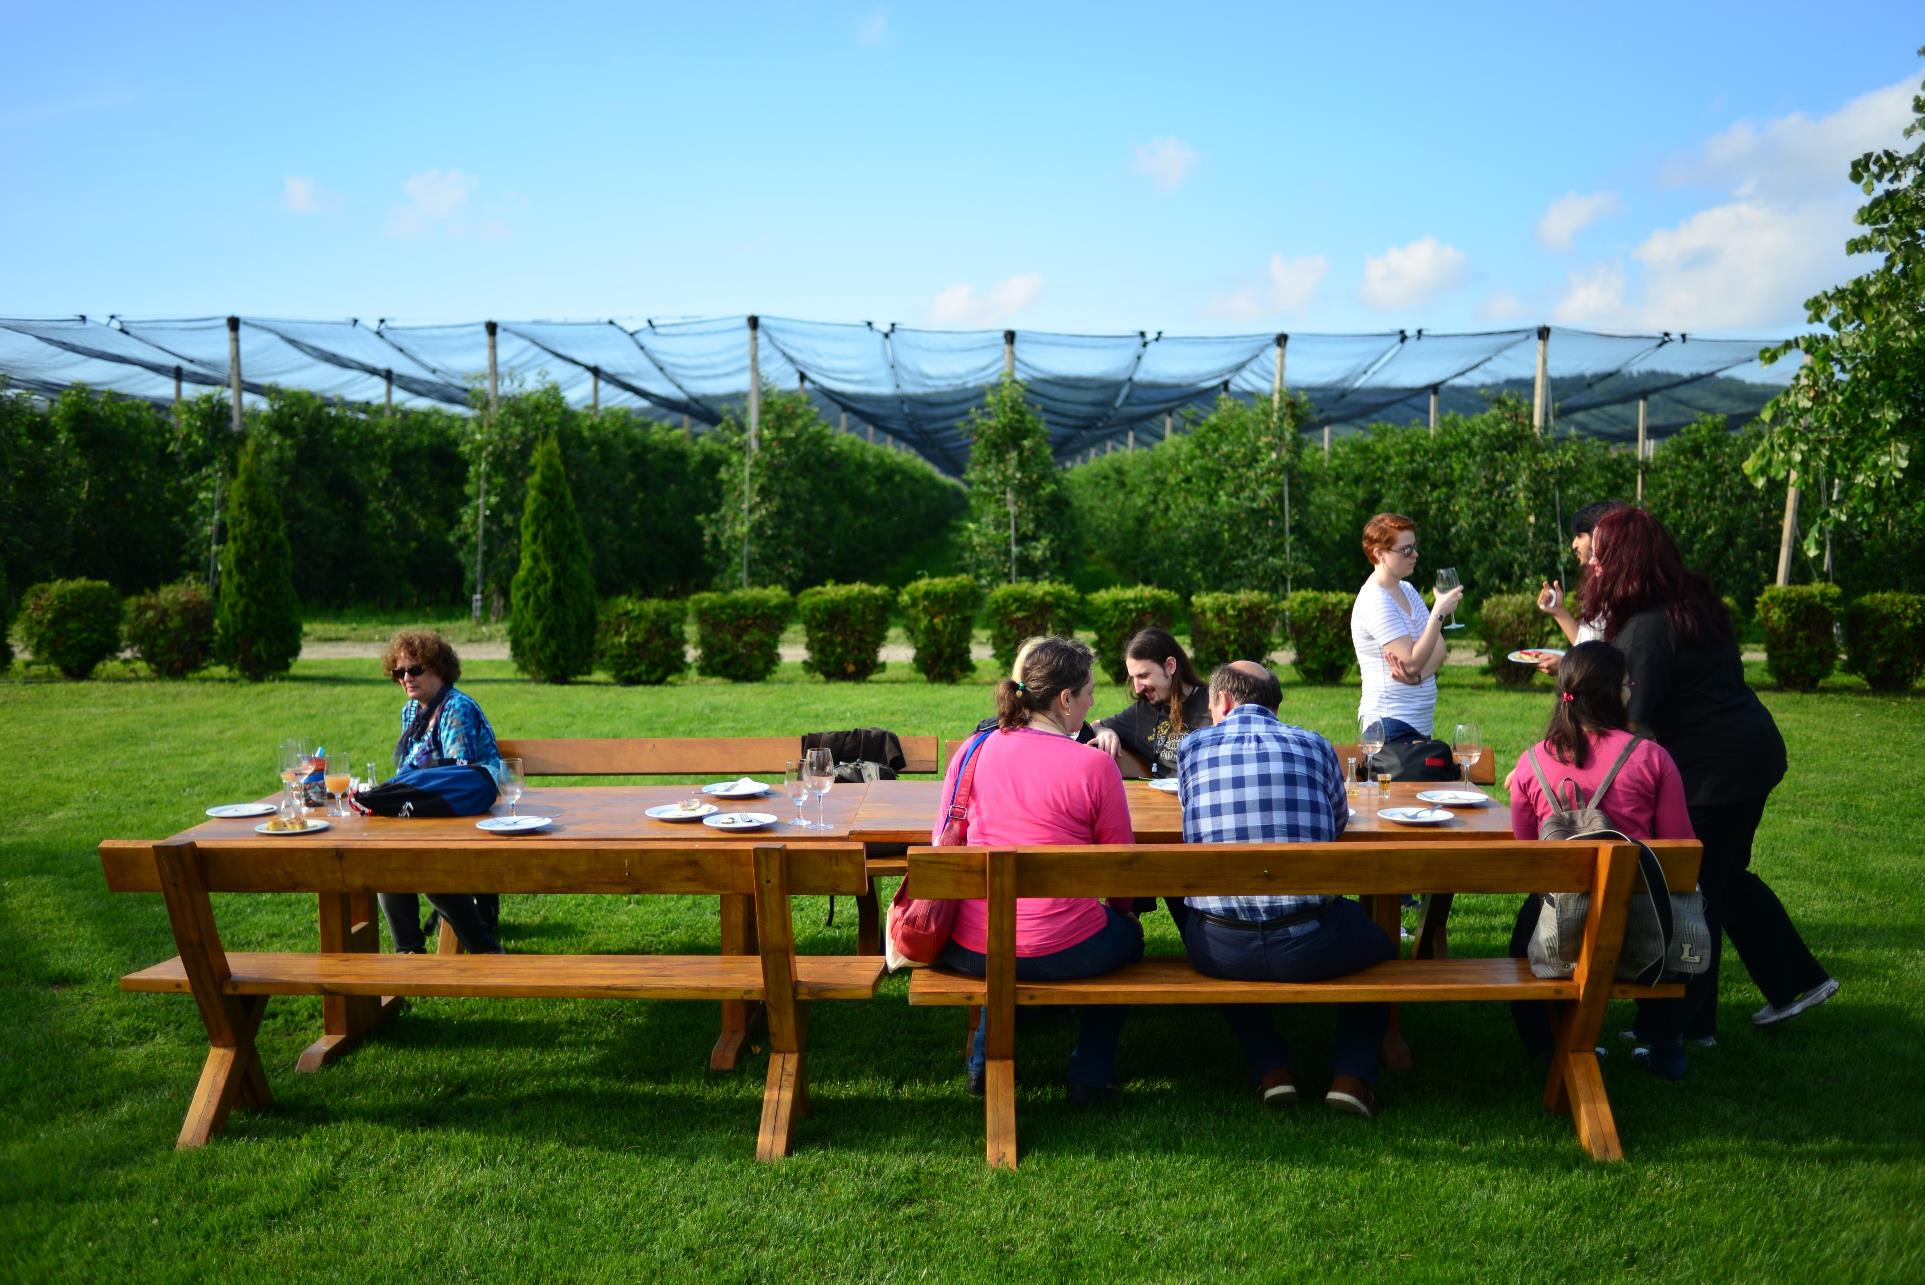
1572 816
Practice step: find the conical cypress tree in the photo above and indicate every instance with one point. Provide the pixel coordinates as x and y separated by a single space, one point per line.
257 624
551 635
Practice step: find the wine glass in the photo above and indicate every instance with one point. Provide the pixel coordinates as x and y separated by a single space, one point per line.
1447 579
334 779
512 780
1370 740
1466 746
820 766
795 784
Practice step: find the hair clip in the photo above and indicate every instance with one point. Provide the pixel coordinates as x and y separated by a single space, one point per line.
1021 688
1566 697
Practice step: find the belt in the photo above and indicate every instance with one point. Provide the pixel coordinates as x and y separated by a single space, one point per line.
1263 925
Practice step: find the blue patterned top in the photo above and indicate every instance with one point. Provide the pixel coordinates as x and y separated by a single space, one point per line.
460 733
1254 778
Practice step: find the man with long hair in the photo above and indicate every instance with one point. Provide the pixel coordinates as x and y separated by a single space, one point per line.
1171 701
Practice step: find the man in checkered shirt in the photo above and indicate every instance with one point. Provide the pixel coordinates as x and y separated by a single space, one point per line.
1252 778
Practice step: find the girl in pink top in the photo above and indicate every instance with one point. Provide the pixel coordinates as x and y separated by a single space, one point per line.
1035 785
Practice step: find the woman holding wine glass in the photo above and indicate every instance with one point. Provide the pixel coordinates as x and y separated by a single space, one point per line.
1399 641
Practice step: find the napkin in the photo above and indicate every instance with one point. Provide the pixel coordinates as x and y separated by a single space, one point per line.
744 785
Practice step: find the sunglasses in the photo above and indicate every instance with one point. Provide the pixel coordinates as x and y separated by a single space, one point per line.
1408 551
409 671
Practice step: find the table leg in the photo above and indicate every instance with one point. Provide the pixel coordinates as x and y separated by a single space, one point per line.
1433 921
738 1016
1387 910
868 922
348 925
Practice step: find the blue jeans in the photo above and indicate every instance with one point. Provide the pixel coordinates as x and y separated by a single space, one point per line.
1119 941
1344 940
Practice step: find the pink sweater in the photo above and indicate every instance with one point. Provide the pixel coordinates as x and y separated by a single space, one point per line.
1646 801
1033 788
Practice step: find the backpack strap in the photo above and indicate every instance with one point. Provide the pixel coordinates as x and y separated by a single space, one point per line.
1597 798
1651 870
959 797
1549 793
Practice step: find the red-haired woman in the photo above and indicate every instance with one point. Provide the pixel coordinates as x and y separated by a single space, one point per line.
1689 691
1399 641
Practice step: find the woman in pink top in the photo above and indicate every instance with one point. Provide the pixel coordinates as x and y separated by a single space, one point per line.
1589 729
1035 785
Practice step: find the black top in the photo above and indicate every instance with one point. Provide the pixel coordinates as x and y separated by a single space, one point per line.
1144 728
1697 704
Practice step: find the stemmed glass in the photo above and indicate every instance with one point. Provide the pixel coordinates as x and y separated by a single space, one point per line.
820 766
512 781
294 767
795 784
1467 746
1370 740
335 778
1446 580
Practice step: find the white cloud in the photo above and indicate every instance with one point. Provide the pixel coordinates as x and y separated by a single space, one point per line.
303 195
1501 305
1243 304
1167 161
1571 213
1795 157
1292 286
1406 276
434 198
874 29
960 305
1742 264
1594 296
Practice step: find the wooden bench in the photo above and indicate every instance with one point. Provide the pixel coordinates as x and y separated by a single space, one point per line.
232 990
1607 871
1482 772
685 755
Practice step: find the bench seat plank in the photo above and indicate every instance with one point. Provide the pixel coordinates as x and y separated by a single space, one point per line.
711 977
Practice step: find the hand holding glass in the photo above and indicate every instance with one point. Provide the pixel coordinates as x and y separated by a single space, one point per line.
1447 580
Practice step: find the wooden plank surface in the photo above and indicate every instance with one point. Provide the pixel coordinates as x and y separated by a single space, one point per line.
1171 980
683 755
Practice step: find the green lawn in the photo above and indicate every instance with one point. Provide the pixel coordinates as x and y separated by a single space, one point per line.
561 1140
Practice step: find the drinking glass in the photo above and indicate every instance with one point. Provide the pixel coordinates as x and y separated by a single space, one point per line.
512 780
1370 739
820 765
1447 579
1466 746
335 778
370 775
795 784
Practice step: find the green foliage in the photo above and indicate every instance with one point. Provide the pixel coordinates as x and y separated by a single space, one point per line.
1029 609
1724 526
845 625
1856 407
127 490
1115 615
257 619
1885 639
737 632
1319 625
1507 622
1801 638
172 629
940 615
1238 625
640 640
551 635
1013 480
72 625
6 619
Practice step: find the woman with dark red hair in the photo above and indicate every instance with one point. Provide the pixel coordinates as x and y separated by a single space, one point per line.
1689 692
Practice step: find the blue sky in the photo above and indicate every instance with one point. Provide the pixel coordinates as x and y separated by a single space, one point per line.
1099 168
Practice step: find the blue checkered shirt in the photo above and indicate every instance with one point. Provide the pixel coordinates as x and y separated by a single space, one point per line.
1254 778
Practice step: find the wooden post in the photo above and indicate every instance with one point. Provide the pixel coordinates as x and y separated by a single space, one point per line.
872 434
1009 354
1276 378
1169 424
842 422
387 394
1541 392
1326 441
1643 446
686 430
177 399
755 430
1433 410
1130 444
1787 536
481 476
595 390
237 424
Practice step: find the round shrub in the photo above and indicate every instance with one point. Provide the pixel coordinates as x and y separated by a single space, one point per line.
738 632
639 640
1510 621
72 625
1231 626
257 622
1319 626
1885 639
845 626
939 613
172 629
1801 632
1115 616
551 633
1028 609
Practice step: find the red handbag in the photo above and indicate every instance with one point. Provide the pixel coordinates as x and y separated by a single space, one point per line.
918 930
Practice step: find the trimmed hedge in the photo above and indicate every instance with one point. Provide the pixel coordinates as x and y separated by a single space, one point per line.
1115 615
1885 639
551 635
639 640
1231 626
1029 609
1508 622
72 625
940 615
1801 637
172 629
1319 627
257 621
845 626
738 632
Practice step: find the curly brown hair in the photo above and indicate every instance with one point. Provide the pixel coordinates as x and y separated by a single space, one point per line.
424 647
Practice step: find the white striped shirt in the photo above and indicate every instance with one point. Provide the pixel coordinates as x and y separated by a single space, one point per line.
1376 621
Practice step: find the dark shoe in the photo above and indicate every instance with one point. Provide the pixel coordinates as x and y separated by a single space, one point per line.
1771 1014
1089 1095
1351 1096
1665 1063
978 1083
1279 1088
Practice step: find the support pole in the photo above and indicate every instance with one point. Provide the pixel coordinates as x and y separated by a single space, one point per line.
387 391
237 424
481 476
595 390
842 422
177 397
1276 378
755 431
1009 354
1326 441
1131 444
1787 535
1541 392
872 434
1433 410
1643 447
1169 424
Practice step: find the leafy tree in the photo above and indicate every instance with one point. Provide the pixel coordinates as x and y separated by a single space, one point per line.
6 619
257 621
551 635
1856 408
39 486
1012 471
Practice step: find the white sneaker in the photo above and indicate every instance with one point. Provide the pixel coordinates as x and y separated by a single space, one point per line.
1771 1016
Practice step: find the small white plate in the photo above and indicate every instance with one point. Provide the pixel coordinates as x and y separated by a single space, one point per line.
745 788
1166 784
675 812
1455 798
228 811
1416 816
311 826
1531 655
514 825
739 820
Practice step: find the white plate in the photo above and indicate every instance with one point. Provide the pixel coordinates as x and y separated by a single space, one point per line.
312 826
227 811
1531 655
739 820
745 788
674 812
1416 816
1164 783
1455 798
514 825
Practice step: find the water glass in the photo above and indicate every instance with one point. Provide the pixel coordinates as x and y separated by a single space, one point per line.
795 784
512 780
820 767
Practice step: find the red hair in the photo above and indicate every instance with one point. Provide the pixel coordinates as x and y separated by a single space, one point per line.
1381 532
1636 566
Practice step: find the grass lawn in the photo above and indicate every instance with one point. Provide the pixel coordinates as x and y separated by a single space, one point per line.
563 1140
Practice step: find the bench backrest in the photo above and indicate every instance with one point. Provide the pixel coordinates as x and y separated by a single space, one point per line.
683 755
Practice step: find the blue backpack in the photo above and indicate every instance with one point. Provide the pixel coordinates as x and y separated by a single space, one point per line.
456 790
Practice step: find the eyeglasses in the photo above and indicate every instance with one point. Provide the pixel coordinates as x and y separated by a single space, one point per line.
409 671
1408 551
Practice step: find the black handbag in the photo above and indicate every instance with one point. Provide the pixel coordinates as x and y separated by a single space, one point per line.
1414 758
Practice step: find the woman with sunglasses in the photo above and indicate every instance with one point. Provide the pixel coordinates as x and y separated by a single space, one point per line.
1399 641
439 725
